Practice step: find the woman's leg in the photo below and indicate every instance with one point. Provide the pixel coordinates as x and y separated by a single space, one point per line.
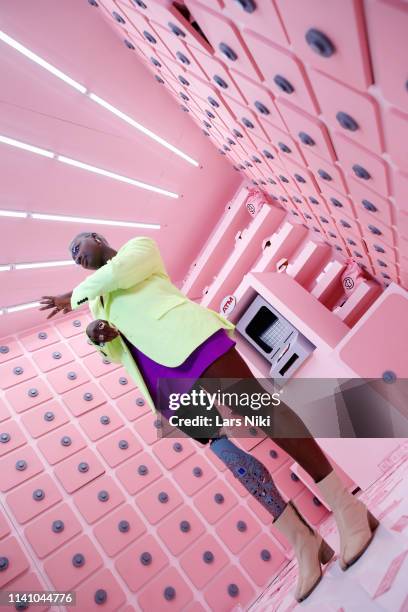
303 448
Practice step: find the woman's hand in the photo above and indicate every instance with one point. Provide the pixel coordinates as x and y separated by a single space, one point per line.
100 331
57 302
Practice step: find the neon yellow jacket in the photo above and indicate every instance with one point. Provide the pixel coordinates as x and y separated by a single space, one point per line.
152 313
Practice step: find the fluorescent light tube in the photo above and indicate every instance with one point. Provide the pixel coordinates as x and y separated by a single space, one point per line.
43 264
22 307
46 217
113 175
142 129
4 268
13 213
27 147
40 61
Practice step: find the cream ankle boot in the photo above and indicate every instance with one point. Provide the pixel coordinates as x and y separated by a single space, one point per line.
355 522
310 549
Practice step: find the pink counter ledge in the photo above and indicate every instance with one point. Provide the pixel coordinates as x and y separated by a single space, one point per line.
244 254
217 247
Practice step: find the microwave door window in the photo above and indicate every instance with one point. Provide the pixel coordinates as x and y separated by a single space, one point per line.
260 328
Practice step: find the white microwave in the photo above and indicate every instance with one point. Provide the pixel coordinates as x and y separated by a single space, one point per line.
278 341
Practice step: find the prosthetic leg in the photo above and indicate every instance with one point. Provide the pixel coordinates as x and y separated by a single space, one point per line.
310 548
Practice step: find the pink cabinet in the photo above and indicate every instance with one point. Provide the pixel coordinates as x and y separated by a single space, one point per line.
28 394
203 561
18 467
33 498
16 559
140 562
331 37
52 530
169 591
73 563
350 111
119 529
101 588
180 530
98 498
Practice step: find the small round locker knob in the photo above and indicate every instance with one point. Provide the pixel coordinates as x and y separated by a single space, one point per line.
220 82
208 556
56 355
4 563
185 526
361 172
197 472
336 203
163 497
378 248
347 122
284 147
248 6
93 2
32 392
183 58
18 370
389 376
140 401
140 4
374 230
49 416
219 498
129 44
142 470
66 441
345 224
265 555
324 175
123 380
268 154
78 560
316 501
233 590
72 375
103 496
209 114
43 335
57 526
155 62
213 102
83 467
351 241
319 43
169 593
151 39
369 206
159 79
4 349
21 465
76 323
88 397
228 52
183 81
118 17
283 84
176 30
299 178
306 139
247 123
100 597
38 494
241 526
104 420
264 110
123 444
177 447
273 454
123 526
145 558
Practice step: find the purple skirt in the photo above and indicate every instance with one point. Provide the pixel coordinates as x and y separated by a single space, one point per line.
186 374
